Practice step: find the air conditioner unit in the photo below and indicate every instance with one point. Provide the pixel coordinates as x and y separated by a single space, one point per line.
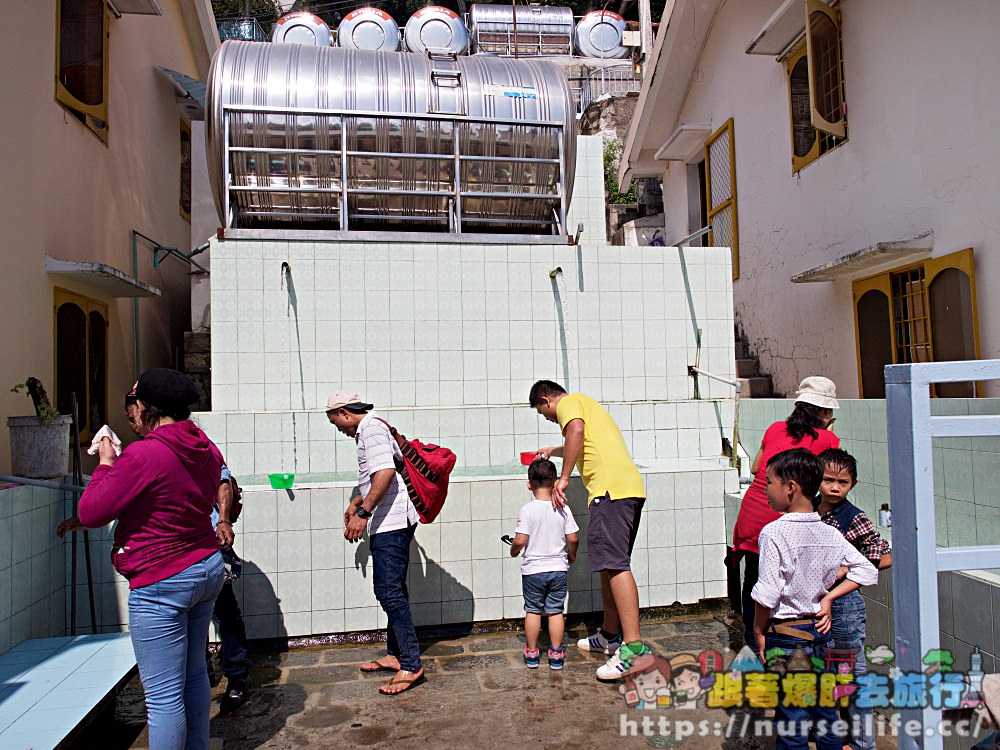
138 7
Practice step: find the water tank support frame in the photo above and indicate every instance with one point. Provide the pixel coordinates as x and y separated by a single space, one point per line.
342 212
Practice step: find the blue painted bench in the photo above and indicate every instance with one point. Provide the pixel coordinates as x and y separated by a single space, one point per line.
49 687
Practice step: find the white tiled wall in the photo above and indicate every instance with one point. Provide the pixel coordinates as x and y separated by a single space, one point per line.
33 600
301 577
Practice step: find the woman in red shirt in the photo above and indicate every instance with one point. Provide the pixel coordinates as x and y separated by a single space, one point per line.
808 426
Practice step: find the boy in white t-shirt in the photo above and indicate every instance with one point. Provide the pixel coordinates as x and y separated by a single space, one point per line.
549 539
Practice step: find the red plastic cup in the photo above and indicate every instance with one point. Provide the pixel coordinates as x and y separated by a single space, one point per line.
527 457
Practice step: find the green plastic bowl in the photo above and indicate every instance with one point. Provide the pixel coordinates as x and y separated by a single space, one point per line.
281 481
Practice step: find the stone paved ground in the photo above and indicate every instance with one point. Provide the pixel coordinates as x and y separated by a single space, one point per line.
478 695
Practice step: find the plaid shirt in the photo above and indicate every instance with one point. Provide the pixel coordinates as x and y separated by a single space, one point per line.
860 531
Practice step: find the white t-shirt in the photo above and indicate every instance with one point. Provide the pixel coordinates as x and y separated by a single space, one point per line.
376 451
799 561
546 528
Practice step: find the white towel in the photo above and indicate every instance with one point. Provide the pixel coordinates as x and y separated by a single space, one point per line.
105 432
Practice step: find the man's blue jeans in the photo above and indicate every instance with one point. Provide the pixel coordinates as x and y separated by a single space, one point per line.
390 561
787 716
848 633
169 624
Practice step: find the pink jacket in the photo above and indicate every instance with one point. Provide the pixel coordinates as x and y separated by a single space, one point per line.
161 490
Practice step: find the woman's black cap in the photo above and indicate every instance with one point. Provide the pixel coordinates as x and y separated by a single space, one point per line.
164 388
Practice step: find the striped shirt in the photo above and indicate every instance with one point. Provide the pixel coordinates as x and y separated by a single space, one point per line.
376 451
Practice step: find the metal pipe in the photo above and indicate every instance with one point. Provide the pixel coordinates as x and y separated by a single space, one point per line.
693 236
135 302
41 483
735 383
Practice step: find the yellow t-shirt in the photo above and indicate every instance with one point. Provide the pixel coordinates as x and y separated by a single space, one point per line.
604 462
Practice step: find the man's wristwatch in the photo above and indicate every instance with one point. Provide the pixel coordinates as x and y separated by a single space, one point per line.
363 512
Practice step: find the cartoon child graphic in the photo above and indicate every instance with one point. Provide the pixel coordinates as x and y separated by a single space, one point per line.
646 683
686 684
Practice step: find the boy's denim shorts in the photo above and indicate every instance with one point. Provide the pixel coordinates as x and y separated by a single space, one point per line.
544 593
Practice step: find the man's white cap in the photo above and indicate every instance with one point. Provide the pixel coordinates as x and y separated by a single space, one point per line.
349 400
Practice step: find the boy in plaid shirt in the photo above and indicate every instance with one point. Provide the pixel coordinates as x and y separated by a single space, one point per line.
840 474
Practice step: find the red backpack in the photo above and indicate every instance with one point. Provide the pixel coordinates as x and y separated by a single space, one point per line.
425 469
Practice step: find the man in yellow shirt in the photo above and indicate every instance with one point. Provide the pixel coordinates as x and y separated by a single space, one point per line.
594 444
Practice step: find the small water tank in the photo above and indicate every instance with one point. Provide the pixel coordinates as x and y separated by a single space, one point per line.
301 28
436 29
368 28
541 30
331 138
601 34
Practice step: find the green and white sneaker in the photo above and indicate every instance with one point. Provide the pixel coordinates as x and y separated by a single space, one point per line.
619 663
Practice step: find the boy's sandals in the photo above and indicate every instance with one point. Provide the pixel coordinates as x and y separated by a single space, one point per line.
378 666
403 681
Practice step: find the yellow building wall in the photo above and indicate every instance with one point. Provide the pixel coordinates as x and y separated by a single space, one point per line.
66 194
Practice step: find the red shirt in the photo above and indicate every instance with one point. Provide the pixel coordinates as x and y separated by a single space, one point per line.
755 513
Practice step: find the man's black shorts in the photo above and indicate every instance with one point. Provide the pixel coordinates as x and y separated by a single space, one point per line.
611 531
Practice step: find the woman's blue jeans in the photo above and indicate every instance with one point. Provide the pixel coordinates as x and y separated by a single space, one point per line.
848 633
169 624
803 718
390 562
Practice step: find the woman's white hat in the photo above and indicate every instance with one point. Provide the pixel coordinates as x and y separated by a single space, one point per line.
818 391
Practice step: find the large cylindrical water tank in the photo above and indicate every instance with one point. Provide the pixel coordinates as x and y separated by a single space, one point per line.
301 27
428 142
541 29
368 28
601 33
436 29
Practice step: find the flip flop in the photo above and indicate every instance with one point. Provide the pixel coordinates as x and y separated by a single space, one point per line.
380 667
407 684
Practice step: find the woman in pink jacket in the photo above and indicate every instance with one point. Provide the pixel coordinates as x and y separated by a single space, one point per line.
161 490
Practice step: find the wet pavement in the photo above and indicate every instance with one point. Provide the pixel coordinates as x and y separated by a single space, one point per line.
478 695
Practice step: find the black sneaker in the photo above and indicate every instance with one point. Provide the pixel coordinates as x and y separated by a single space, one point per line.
235 697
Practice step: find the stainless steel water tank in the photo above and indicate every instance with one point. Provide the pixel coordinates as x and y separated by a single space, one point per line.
368 28
301 28
541 29
436 29
427 142
601 34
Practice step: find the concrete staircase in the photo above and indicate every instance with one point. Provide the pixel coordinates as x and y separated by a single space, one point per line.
754 384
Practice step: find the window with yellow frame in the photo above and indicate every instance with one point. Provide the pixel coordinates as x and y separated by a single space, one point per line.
924 312
81 358
82 62
720 192
816 87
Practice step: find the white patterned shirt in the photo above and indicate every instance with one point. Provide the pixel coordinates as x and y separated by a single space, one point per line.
799 560
377 450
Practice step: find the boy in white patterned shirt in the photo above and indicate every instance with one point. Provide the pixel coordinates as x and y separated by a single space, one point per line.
800 559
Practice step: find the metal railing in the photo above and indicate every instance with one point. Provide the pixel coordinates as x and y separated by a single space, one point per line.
246 29
618 79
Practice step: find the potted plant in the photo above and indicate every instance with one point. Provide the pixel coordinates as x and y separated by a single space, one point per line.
39 444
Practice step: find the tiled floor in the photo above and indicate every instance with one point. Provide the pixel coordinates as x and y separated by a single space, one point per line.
49 685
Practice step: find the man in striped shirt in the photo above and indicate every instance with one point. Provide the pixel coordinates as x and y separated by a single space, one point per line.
383 508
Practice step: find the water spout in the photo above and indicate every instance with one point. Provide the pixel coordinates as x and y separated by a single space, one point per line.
562 309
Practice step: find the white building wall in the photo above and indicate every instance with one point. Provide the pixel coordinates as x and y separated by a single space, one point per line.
920 156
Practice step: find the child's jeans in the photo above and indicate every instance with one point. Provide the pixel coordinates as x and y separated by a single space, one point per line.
802 718
848 633
544 593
